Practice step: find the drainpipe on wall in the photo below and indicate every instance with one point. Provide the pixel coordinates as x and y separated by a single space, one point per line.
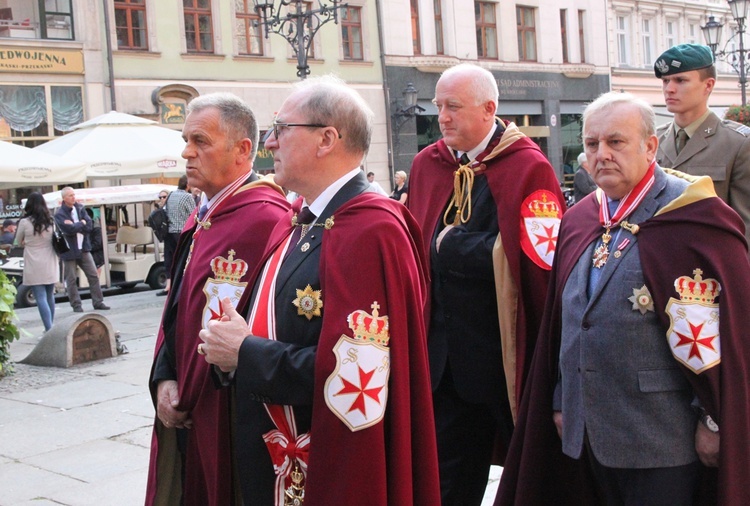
108 40
386 91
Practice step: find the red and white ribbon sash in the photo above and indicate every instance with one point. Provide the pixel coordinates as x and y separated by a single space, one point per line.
629 202
284 444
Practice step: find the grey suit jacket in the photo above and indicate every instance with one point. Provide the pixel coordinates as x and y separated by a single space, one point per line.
719 149
620 384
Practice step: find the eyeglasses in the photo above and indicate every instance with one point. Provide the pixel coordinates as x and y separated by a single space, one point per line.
277 127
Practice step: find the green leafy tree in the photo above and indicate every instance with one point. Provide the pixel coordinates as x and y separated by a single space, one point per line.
738 113
9 331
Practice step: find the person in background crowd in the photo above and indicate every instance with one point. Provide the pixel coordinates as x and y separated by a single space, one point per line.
641 373
698 142
583 183
9 232
40 266
219 249
75 225
161 200
333 360
97 245
374 185
180 204
400 190
491 244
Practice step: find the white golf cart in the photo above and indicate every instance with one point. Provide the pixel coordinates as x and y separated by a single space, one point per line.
133 254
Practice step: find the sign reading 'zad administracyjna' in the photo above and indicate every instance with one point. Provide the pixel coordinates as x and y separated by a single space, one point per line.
41 60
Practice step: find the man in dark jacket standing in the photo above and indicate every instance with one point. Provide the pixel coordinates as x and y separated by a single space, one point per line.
76 226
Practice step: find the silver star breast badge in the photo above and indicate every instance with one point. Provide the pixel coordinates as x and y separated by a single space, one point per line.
642 300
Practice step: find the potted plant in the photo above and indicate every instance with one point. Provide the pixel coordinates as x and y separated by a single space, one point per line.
9 331
738 113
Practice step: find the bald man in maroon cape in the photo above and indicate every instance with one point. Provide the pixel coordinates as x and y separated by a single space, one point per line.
489 217
191 461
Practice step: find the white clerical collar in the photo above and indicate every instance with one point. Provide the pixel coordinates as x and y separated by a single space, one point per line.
473 153
209 203
319 204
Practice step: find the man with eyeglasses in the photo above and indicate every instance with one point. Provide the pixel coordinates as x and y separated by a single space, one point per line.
332 383
217 252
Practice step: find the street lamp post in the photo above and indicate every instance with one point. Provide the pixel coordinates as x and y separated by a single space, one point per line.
407 108
297 24
736 58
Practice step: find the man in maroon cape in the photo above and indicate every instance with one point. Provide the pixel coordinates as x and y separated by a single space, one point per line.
667 310
220 246
330 370
490 221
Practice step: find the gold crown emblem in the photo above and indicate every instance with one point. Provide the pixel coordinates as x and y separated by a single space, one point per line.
543 208
697 289
369 327
228 269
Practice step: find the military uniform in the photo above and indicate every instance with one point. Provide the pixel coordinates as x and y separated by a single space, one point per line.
719 149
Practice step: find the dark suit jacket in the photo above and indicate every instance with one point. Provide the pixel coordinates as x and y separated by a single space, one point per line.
583 184
295 352
70 230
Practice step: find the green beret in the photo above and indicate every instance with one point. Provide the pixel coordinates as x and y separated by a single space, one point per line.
683 58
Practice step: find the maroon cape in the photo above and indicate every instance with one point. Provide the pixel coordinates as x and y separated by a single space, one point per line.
701 233
241 224
373 252
513 173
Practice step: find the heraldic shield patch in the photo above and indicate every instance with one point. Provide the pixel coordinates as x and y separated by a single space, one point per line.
357 390
540 224
226 283
693 333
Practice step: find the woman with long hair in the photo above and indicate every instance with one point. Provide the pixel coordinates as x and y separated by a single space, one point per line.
40 265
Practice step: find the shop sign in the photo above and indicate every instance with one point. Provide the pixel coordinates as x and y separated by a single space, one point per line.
41 60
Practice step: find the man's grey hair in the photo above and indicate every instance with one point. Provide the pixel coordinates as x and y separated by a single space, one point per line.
66 191
237 120
607 101
483 83
329 101
581 158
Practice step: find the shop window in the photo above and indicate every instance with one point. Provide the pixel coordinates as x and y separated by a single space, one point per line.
25 112
198 26
130 24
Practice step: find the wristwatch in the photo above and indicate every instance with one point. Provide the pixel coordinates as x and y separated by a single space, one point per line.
709 423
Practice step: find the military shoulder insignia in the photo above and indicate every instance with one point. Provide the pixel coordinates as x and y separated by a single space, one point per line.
540 222
226 283
308 302
743 129
693 332
357 389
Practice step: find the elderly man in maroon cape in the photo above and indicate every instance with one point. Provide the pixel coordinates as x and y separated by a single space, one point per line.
220 246
641 363
489 214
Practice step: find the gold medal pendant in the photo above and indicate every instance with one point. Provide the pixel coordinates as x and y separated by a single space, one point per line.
601 253
294 495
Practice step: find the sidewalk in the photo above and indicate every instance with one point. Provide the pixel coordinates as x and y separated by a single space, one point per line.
81 436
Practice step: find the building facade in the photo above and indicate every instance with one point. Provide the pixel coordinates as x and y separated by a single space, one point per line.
545 55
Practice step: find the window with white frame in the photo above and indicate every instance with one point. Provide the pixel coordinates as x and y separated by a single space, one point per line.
526 27
647 41
581 35
693 31
622 33
486 30
671 33
439 46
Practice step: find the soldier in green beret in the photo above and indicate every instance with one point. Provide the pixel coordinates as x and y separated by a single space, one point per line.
698 142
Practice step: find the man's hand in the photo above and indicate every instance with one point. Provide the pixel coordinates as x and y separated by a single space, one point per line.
557 418
441 236
222 338
167 399
68 222
707 445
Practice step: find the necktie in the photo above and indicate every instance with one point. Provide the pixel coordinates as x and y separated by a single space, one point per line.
464 159
305 217
202 211
681 140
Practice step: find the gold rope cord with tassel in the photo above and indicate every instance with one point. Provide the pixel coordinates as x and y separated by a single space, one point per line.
461 199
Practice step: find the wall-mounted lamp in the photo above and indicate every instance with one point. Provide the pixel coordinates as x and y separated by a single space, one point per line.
406 108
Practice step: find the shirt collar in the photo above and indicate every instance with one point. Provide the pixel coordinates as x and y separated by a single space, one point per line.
209 203
693 127
473 153
319 204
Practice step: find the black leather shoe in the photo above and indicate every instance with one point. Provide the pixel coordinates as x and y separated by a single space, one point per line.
78 309
162 293
102 307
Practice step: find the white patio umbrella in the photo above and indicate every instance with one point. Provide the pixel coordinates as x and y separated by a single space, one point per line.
21 166
118 145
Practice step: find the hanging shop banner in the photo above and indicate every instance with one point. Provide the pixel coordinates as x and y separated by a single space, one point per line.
41 60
